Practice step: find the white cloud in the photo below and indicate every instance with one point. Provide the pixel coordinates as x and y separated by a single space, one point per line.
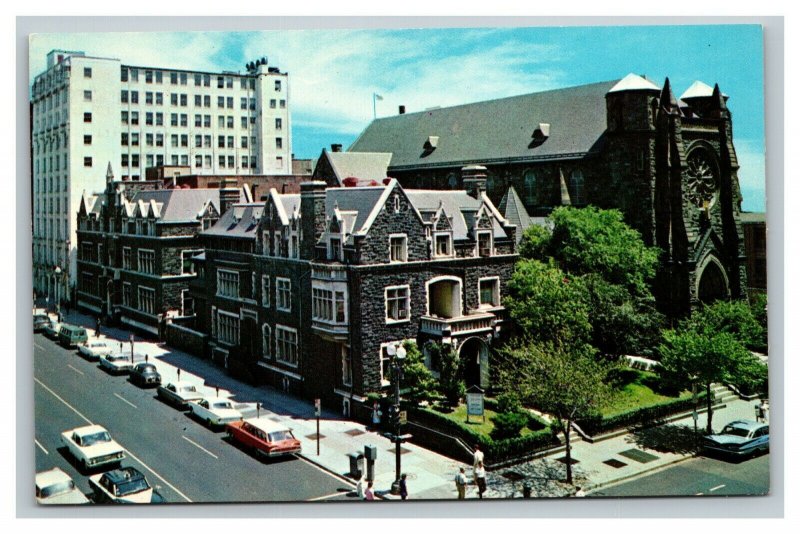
752 173
333 74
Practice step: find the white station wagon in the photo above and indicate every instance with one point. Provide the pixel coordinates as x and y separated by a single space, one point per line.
94 349
215 411
56 487
92 446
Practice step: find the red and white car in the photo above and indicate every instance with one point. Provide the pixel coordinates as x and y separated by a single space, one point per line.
265 437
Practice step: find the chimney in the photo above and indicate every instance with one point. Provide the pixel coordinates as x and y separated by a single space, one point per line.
401 110
312 216
473 179
228 194
336 147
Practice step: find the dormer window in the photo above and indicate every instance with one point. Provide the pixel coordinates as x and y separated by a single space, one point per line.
485 244
335 249
443 244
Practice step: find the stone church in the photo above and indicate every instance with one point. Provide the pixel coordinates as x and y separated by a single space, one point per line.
667 163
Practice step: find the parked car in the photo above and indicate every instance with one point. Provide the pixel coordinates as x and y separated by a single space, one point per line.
145 374
92 446
118 362
179 394
95 349
40 322
56 487
71 336
52 329
215 411
739 438
264 436
125 485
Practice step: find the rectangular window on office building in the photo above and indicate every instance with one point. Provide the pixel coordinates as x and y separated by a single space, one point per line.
87 72
134 118
87 139
278 124
286 345
147 300
87 96
134 97
87 117
278 142
147 259
87 162
173 78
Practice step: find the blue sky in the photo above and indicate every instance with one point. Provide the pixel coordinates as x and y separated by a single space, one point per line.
333 73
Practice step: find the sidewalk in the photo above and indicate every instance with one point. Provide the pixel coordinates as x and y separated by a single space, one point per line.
430 475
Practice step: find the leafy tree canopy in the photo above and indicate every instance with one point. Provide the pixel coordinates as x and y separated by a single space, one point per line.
733 317
547 304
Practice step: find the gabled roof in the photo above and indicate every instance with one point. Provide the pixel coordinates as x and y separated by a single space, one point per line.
364 165
360 202
176 205
513 209
495 130
89 204
241 220
456 205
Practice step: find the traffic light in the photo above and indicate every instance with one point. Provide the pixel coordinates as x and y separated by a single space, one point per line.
394 415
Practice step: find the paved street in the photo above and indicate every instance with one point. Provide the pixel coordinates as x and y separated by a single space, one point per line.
183 460
698 476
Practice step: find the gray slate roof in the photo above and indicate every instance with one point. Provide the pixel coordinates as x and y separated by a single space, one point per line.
364 165
361 200
179 205
495 130
239 221
456 204
513 209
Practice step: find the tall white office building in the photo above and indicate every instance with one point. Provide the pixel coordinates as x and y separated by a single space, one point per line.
89 111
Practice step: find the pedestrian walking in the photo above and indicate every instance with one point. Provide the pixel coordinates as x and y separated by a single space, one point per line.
461 483
360 488
403 487
369 494
97 330
477 458
480 479
762 410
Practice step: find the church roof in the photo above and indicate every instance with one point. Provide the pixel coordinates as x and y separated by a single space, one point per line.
493 131
699 90
177 205
634 82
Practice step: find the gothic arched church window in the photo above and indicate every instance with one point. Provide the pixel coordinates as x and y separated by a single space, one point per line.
576 188
702 178
529 184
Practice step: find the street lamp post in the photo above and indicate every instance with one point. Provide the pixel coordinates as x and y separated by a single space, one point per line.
57 284
398 354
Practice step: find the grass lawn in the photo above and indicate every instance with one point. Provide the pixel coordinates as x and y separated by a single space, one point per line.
637 393
459 415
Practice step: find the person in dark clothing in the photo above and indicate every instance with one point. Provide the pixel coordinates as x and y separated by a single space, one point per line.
403 487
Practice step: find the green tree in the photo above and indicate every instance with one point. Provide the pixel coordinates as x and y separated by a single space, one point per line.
700 357
565 380
734 317
615 267
451 382
547 304
418 381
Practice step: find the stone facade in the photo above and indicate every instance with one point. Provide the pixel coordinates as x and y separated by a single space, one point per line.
135 268
669 165
329 278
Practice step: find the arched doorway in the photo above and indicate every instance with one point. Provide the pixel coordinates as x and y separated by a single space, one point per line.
474 353
713 283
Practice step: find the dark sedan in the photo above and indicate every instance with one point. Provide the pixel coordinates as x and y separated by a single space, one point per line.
145 375
40 322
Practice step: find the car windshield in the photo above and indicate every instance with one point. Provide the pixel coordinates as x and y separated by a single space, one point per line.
131 486
736 431
58 488
99 437
146 368
116 357
224 405
280 435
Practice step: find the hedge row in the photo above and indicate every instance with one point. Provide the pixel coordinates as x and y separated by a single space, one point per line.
495 451
597 424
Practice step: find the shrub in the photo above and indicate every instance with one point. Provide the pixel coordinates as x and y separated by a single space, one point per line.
508 402
597 424
508 425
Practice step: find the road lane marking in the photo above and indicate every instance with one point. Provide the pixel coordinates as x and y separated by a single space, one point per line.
125 400
332 475
40 347
696 494
68 405
337 494
40 446
76 370
201 448
715 488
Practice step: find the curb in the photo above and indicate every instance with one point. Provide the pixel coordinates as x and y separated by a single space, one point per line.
651 470
340 476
